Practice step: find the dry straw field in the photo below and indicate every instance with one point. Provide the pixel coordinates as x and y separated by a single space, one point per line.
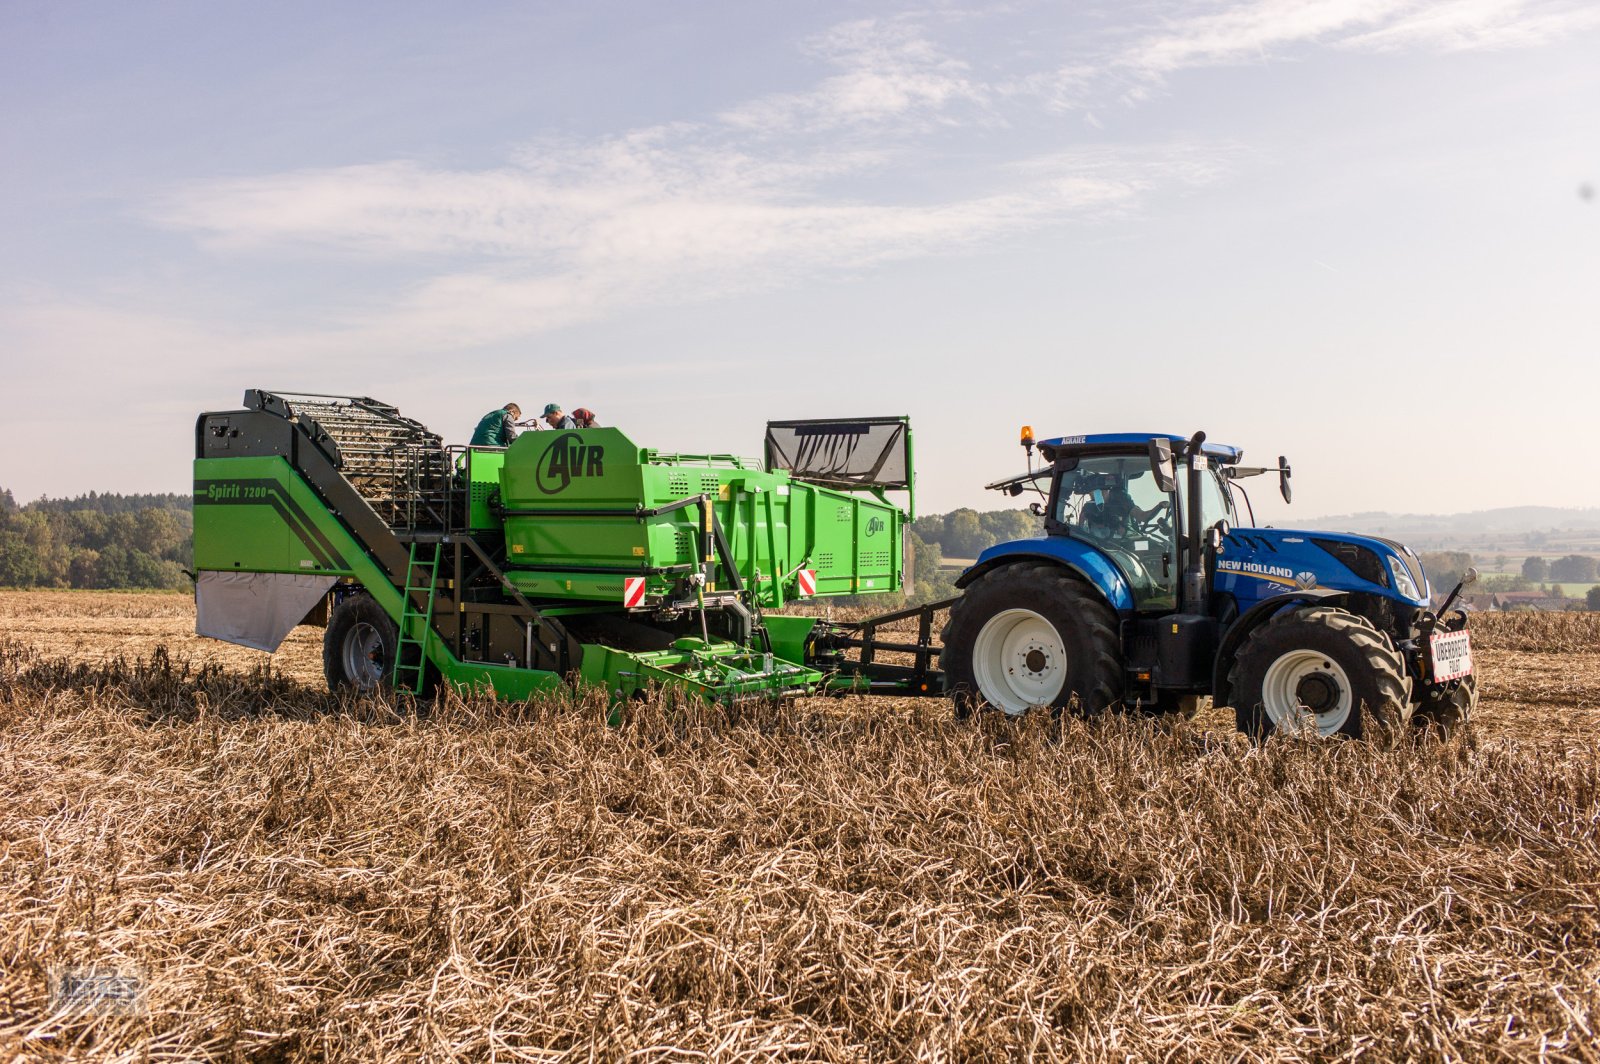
250 869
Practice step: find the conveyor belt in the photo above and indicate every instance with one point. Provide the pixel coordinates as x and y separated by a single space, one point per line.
398 466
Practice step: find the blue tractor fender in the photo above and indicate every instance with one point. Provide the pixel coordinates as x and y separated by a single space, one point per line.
1081 558
1249 621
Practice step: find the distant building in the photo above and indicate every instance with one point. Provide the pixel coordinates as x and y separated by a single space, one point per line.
1535 600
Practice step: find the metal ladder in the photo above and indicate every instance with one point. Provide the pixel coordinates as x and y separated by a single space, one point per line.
413 619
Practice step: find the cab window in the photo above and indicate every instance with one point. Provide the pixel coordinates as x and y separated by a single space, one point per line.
1115 504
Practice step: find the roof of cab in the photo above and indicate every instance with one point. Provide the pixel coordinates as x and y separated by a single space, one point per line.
1222 452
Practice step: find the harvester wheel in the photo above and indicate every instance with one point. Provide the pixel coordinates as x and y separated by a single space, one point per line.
1320 667
359 646
1032 634
1445 712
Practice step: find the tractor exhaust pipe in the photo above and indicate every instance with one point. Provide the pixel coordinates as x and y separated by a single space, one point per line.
1194 572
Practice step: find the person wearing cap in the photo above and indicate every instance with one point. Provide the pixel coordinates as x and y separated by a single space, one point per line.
556 419
497 428
585 418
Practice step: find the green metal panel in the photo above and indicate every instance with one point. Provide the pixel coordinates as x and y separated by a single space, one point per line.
789 635
480 467
257 515
574 503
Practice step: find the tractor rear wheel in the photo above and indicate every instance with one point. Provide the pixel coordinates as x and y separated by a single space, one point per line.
359 646
1446 712
1320 667
1032 634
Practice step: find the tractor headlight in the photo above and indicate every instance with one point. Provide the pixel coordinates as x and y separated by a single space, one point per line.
1401 578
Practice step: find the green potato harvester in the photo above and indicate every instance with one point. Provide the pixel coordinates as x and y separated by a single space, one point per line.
568 558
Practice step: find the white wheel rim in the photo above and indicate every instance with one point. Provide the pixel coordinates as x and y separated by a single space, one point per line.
1304 686
1019 661
363 656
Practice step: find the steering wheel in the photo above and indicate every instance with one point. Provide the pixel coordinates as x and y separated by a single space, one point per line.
1160 521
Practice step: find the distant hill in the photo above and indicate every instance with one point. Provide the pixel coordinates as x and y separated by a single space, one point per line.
1507 520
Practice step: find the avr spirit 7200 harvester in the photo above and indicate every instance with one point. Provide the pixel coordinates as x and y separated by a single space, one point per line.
566 557
580 557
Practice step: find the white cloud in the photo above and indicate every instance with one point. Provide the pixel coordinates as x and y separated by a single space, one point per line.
569 232
1471 24
890 71
1262 30
1247 32
565 231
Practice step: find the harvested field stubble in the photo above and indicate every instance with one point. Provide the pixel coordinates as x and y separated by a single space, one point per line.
1538 631
294 876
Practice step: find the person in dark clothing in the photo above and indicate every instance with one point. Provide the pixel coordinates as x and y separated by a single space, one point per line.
1114 513
497 428
556 419
585 418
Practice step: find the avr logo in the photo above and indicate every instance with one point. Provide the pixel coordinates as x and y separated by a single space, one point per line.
874 526
566 458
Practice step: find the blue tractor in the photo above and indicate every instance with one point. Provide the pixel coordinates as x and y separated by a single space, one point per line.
1146 589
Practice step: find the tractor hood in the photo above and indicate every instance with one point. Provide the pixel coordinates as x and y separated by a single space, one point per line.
1254 561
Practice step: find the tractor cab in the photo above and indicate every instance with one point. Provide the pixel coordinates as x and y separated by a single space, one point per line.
1119 494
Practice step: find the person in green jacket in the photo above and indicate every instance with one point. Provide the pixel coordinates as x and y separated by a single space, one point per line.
497 428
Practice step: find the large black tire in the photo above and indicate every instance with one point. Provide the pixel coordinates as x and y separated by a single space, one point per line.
359 646
1032 634
1445 712
1325 661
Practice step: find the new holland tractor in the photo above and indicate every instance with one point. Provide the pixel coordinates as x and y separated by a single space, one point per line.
1144 589
581 558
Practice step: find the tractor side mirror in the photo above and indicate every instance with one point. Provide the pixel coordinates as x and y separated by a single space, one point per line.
1283 479
1161 464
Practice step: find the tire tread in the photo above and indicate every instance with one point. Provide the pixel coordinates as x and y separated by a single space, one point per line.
1035 582
1386 665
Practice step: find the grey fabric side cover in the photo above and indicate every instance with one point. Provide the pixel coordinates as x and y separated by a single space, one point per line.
255 609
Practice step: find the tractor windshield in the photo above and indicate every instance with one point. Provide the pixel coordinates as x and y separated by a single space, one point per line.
1115 504
1215 502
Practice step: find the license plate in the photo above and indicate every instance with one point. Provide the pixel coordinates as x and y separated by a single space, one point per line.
1452 655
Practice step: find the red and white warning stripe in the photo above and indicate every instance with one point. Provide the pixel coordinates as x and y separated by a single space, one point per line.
632 591
807 579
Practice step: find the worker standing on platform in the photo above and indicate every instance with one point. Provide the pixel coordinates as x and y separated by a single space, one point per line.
497 428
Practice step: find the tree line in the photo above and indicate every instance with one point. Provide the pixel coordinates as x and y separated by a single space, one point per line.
1538 574
963 534
96 541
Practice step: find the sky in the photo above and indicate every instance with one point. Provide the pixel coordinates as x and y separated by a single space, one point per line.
1361 233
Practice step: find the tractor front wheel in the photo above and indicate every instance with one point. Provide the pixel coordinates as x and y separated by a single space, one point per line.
1444 712
1319 668
1028 635
359 646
